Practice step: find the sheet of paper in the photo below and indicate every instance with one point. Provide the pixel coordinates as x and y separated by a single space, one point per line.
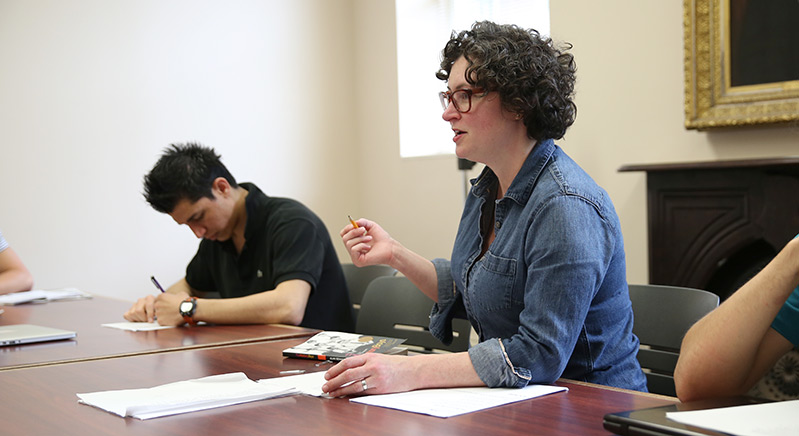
769 419
42 296
308 384
23 297
65 294
182 397
445 403
137 326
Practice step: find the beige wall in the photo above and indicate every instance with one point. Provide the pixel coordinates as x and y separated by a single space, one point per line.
417 200
629 55
300 97
92 90
630 106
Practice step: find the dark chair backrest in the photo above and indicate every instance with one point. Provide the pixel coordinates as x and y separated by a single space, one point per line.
395 307
358 278
663 314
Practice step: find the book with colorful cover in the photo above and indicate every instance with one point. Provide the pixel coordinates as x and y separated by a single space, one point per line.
339 346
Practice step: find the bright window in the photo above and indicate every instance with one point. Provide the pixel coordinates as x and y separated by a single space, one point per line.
423 28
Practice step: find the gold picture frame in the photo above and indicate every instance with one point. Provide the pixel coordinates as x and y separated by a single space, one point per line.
711 99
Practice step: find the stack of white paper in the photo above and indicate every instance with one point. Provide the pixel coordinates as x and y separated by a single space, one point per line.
42 296
182 397
768 419
137 326
308 384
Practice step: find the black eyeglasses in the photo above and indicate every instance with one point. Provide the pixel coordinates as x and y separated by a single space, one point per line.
461 99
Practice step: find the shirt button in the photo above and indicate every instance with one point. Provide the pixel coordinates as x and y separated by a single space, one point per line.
497 225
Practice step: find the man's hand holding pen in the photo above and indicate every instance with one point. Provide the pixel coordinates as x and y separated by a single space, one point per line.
167 308
163 308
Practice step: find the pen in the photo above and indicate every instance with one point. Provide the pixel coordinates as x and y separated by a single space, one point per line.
292 371
157 285
354 224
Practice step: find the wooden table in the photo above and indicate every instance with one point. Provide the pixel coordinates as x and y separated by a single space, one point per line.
94 341
42 401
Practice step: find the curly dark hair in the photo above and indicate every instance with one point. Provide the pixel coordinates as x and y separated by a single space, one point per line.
532 76
184 172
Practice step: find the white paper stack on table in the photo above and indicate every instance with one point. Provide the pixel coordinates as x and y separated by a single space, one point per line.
43 296
768 419
137 326
307 384
235 388
183 396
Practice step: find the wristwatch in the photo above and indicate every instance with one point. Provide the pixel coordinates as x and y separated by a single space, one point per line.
187 308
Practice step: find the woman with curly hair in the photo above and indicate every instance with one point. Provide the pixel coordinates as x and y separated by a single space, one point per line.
538 263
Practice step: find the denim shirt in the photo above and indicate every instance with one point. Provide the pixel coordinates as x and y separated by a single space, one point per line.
549 298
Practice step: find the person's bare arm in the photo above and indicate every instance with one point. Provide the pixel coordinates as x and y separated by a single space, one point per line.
14 276
143 310
727 351
369 244
283 305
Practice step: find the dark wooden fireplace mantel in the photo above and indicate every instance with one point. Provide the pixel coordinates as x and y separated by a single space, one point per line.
712 225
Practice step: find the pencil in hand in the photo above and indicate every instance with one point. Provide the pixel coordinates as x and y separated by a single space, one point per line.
355 225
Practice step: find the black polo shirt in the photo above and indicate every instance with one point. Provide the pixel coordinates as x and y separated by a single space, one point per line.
284 240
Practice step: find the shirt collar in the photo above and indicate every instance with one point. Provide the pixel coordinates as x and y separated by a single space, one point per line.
252 204
252 207
525 179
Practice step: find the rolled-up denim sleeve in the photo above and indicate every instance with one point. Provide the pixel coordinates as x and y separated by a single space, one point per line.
448 305
486 356
490 355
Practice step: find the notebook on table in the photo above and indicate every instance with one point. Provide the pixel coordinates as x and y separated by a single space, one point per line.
29 333
653 421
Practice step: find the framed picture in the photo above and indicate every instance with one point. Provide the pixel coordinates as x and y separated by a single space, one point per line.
741 62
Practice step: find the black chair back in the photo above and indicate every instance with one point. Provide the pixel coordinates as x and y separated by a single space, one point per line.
358 278
663 314
395 307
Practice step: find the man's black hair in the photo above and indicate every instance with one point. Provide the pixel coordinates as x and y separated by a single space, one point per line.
185 171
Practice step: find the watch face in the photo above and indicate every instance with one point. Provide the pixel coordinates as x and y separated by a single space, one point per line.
185 307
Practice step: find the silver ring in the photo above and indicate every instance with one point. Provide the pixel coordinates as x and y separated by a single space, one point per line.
363 384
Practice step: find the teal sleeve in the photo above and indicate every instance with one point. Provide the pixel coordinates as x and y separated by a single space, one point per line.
787 321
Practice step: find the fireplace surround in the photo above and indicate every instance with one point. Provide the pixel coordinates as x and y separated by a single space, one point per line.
713 225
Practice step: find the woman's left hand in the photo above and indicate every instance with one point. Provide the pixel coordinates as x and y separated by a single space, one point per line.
370 374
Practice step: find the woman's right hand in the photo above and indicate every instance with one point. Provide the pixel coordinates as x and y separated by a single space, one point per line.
368 244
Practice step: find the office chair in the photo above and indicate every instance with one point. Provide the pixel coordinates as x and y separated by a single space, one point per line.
395 307
359 278
663 314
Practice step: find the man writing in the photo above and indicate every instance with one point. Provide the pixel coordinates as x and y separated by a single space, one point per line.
271 259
